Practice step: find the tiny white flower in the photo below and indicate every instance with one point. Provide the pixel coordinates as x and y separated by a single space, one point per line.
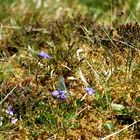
1 119
13 120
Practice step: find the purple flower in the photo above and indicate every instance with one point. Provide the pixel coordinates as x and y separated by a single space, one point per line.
9 111
42 54
89 90
59 94
13 120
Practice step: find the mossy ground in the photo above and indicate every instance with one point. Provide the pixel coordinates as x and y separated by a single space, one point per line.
90 42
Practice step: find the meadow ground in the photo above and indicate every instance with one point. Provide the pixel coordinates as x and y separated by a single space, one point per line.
69 69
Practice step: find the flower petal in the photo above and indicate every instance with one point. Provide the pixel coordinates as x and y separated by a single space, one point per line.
13 120
62 97
42 54
60 94
9 111
55 93
89 90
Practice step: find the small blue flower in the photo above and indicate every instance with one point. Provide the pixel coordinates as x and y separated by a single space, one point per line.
42 54
9 111
59 94
89 90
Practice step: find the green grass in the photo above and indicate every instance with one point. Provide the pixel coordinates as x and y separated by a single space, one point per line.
92 43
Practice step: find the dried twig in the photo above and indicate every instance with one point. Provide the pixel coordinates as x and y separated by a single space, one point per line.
8 94
28 28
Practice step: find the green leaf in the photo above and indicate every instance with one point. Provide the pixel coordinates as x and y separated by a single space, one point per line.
1 76
79 103
61 85
7 1
70 115
97 96
137 100
117 107
108 126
